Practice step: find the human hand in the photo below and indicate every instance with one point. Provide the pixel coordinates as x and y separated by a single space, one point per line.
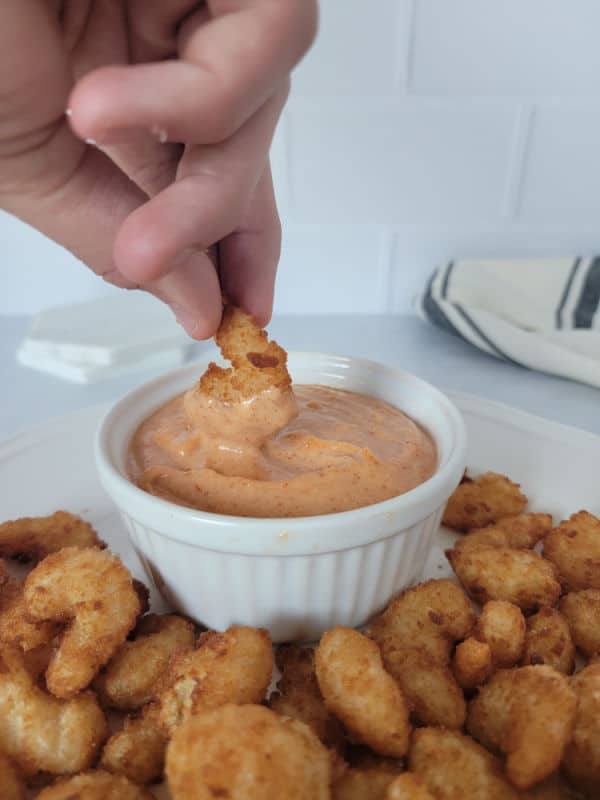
181 99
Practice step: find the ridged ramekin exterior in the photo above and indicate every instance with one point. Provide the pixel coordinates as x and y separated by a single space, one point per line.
295 597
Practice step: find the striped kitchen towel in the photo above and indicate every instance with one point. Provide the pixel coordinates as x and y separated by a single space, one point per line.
543 314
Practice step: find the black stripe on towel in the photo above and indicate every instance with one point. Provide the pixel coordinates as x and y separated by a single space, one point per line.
566 291
446 282
434 311
587 305
484 337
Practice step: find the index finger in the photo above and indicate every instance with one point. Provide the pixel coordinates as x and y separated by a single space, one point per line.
229 67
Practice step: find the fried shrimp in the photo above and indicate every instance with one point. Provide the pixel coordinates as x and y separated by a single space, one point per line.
502 626
472 663
548 641
231 667
41 733
582 612
408 786
10 782
483 501
138 749
521 577
246 752
95 785
520 533
574 548
582 756
16 627
93 592
366 781
298 695
257 363
359 692
416 634
527 713
454 766
132 677
33 538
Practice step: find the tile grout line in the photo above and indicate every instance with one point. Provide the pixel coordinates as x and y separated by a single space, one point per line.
404 56
521 146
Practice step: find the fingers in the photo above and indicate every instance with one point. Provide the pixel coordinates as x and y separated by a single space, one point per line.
205 204
193 292
154 26
229 67
249 256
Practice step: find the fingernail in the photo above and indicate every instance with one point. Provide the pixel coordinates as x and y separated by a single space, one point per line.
68 112
91 142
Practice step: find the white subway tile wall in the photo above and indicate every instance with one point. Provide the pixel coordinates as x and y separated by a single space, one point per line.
416 131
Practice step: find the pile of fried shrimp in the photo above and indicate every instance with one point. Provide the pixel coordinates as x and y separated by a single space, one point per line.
482 688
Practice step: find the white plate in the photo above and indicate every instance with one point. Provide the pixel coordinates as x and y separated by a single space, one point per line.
52 466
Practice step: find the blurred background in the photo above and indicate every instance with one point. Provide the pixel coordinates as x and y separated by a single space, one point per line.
417 131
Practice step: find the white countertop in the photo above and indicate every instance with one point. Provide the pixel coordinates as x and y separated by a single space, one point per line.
29 397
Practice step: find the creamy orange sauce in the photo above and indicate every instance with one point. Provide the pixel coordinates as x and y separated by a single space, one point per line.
313 450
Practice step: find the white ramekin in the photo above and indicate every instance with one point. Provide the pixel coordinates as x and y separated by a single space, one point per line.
297 577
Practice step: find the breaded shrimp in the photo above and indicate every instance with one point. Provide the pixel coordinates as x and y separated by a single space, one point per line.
527 713
574 548
231 667
257 363
95 785
132 677
416 634
246 752
33 538
483 501
298 695
38 731
93 592
138 749
359 692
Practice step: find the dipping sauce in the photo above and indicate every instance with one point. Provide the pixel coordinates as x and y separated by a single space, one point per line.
284 453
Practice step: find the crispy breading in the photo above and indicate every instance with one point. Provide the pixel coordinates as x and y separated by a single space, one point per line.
93 592
528 714
231 667
416 634
246 752
553 788
521 533
472 663
582 612
15 625
298 695
548 641
368 782
33 538
582 756
454 767
133 675
38 731
10 782
138 749
95 785
483 501
359 691
408 786
521 577
574 547
502 625
257 363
